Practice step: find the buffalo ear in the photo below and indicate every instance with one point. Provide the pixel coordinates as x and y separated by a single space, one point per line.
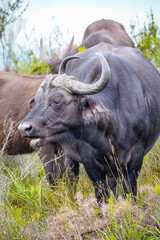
91 109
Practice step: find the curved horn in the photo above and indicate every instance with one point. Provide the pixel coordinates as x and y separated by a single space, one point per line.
68 50
64 62
89 89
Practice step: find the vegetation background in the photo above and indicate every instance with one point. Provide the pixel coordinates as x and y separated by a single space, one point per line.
29 208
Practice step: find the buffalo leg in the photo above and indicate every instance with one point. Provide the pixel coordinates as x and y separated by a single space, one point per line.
129 184
112 181
72 174
98 178
131 172
53 169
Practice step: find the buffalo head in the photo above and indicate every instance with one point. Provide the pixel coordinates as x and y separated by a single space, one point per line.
62 104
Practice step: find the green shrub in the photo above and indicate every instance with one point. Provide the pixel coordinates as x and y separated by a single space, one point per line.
147 38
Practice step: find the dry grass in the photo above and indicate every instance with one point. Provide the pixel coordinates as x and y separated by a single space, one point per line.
72 224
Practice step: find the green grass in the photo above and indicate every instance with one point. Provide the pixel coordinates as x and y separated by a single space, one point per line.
31 210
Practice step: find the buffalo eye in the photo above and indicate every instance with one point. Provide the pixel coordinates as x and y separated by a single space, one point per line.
32 103
56 102
85 102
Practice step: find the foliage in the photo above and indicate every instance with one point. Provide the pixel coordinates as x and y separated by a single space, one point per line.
31 210
157 189
82 48
126 227
25 59
10 11
27 63
147 38
26 200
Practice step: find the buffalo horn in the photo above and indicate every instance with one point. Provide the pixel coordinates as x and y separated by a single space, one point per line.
42 51
68 50
64 62
83 88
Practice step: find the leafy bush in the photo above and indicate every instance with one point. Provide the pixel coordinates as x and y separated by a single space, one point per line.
147 38
27 63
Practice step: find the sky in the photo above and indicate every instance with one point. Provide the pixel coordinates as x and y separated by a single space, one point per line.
72 16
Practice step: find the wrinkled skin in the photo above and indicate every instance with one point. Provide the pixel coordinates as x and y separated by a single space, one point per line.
16 92
109 132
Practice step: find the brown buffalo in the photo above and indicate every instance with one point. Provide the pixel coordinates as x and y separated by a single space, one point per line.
103 30
16 92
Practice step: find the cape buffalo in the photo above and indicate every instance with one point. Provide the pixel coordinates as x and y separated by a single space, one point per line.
16 92
103 110
107 31
103 30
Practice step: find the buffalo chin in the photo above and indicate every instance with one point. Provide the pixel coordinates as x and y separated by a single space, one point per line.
41 142
36 143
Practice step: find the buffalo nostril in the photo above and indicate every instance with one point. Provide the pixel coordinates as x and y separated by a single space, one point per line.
25 129
28 129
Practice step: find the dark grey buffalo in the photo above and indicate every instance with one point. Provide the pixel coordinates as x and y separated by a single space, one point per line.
104 110
104 30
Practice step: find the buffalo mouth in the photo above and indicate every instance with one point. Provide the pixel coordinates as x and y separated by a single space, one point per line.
37 142
57 134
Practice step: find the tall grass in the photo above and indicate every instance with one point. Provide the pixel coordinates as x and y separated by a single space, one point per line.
31 210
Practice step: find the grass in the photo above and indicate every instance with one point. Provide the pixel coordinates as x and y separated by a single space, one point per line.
31 210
